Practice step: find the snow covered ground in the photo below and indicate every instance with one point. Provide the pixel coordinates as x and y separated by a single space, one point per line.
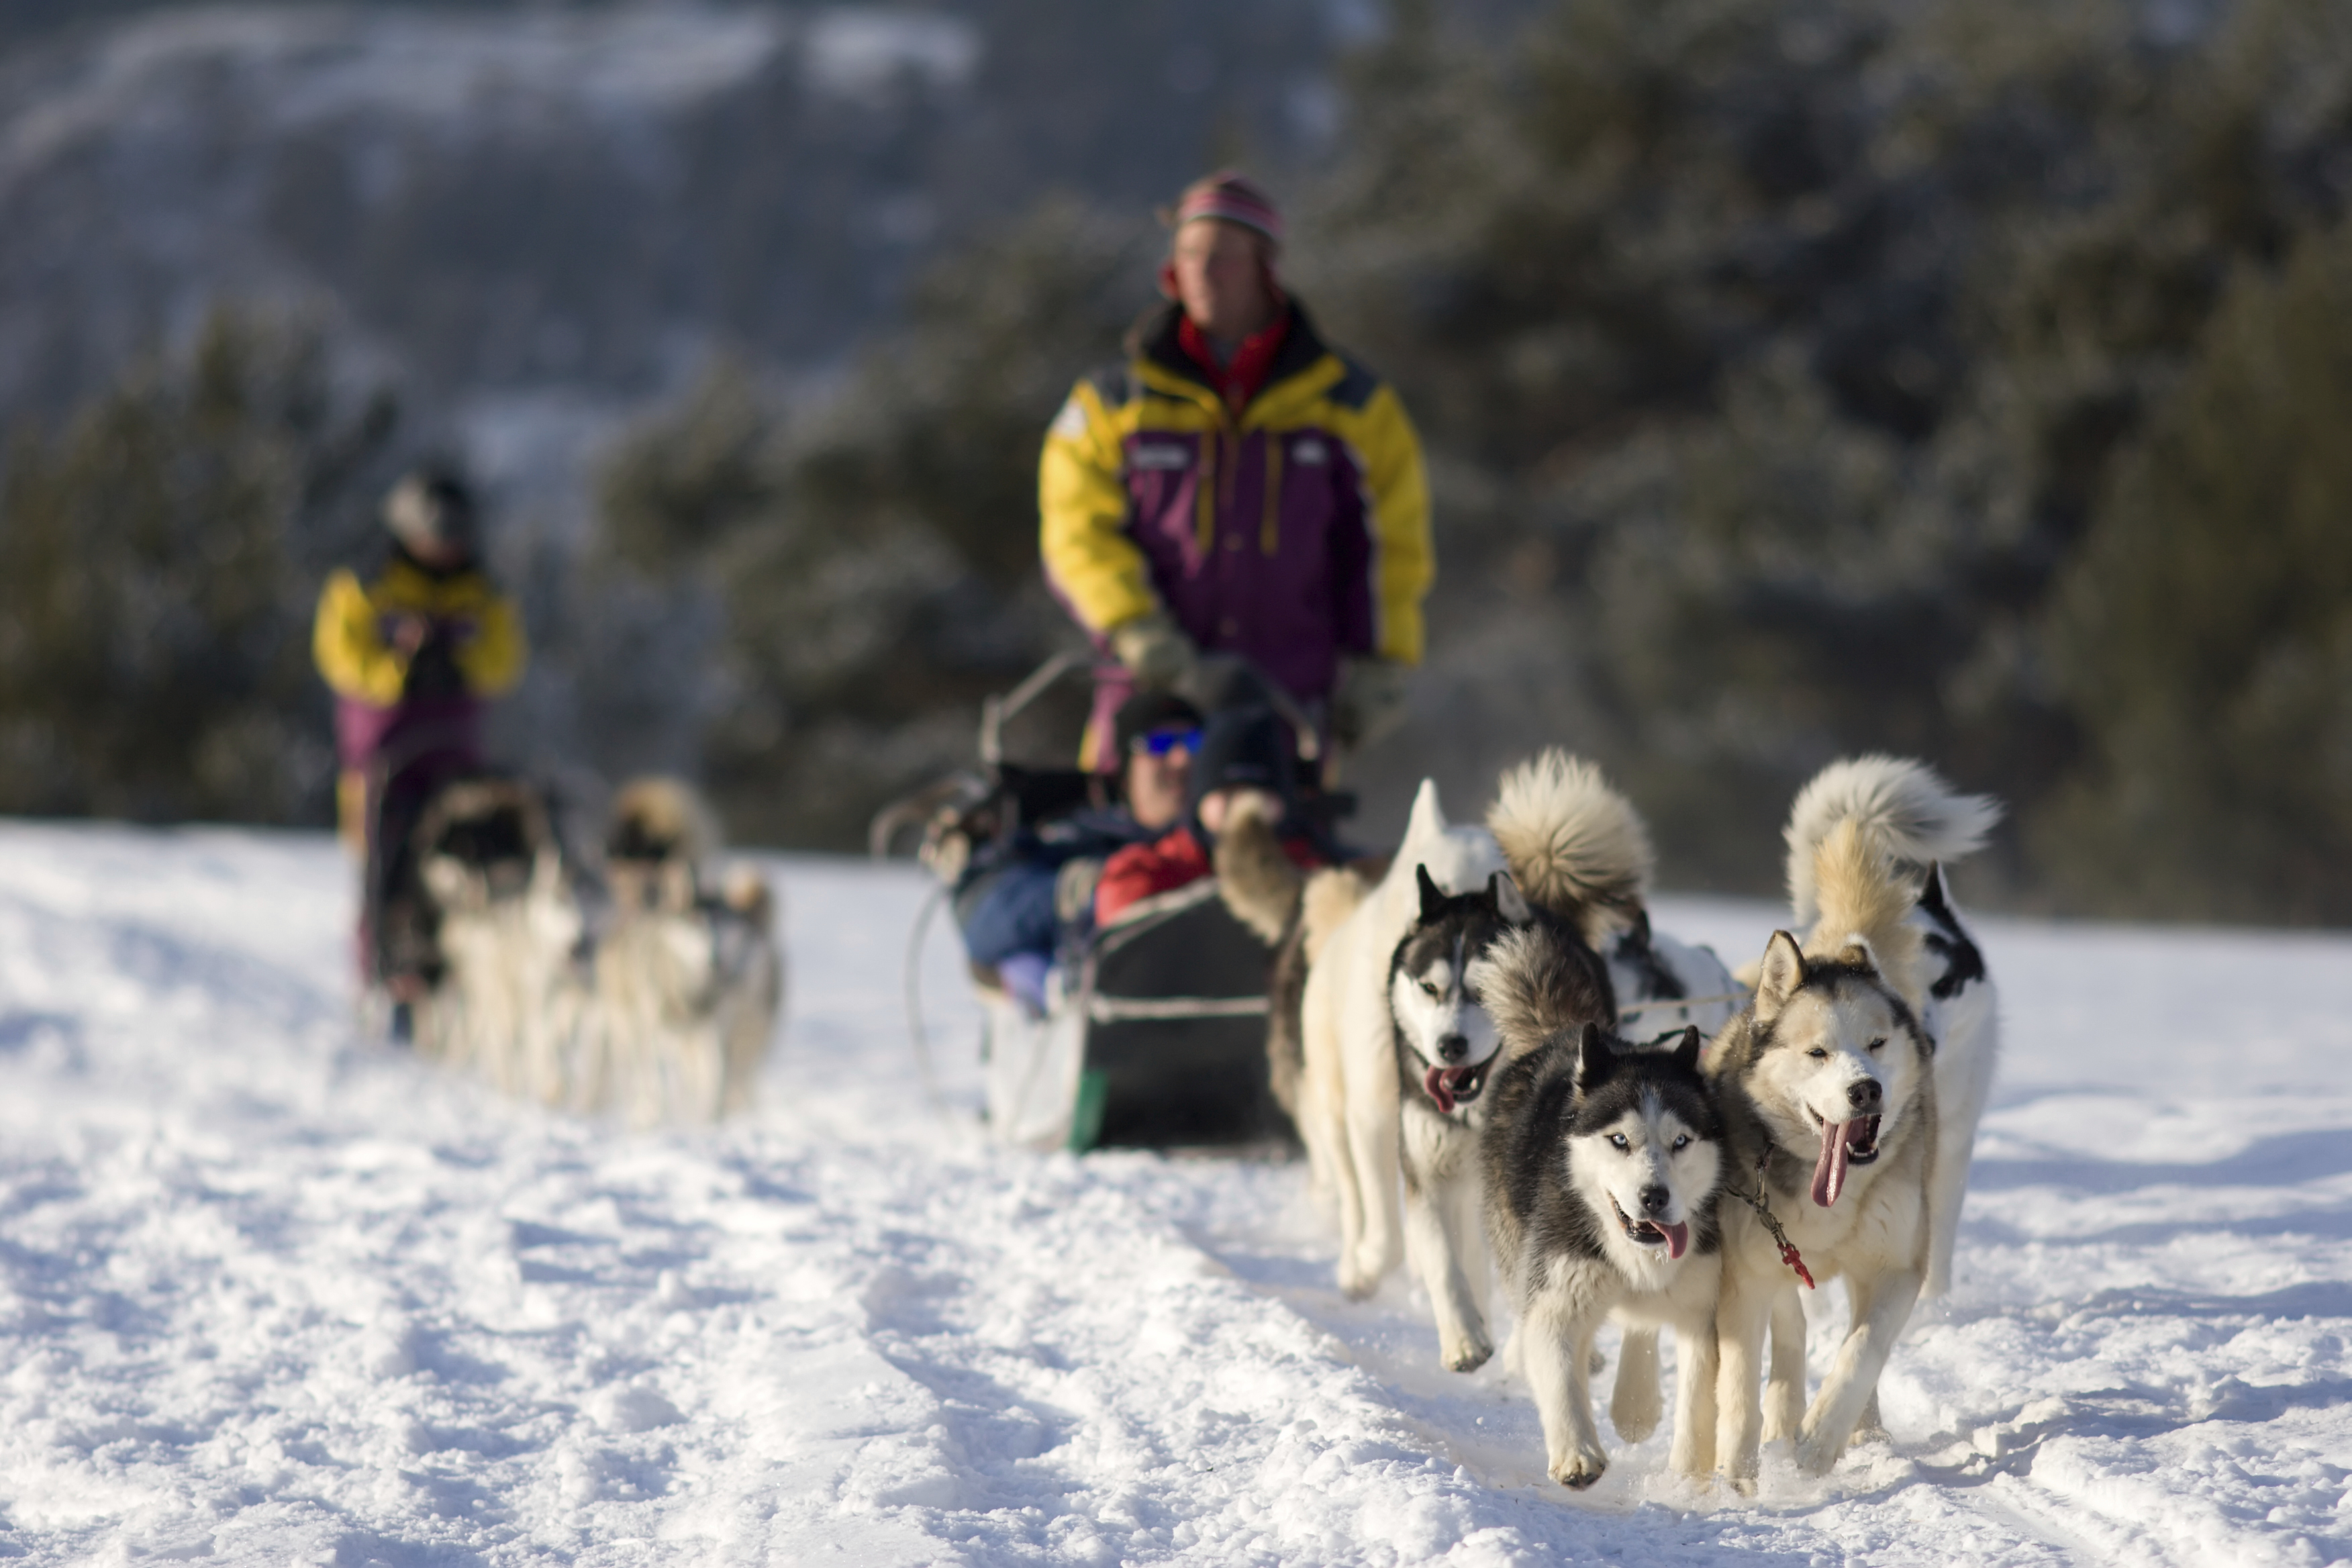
271 1295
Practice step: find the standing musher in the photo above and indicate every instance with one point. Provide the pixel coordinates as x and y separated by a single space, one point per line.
1239 487
412 653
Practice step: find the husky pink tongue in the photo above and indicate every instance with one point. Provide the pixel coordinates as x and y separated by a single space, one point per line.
1677 1237
1439 1083
1828 1171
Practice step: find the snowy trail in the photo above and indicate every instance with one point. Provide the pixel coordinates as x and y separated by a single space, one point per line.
268 1295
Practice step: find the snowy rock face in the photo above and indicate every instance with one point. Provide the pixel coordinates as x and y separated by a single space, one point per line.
535 216
269 1295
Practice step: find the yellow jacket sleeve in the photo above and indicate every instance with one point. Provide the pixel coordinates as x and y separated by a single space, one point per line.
349 647
1404 561
492 660
1082 506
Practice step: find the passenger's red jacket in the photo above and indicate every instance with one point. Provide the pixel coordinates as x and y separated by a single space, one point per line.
1169 862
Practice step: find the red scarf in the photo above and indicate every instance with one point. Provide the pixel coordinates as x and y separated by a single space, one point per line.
1241 380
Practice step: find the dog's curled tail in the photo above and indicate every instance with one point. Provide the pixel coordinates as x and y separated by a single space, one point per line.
1255 879
1576 847
1917 818
1863 895
1537 982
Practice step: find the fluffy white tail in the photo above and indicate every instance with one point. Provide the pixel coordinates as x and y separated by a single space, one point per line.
1906 808
1575 845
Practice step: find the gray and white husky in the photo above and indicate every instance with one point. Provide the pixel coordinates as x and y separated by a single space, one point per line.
1829 1083
687 978
1602 1167
1923 822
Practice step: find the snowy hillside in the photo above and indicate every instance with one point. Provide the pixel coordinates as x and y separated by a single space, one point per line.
268 1295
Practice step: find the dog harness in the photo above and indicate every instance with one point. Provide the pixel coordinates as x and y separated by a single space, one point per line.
1754 1200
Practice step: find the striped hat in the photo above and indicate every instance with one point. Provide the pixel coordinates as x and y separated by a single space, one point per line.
1235 198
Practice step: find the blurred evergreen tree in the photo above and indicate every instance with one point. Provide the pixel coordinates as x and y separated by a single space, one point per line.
875 561
159 562
2205 629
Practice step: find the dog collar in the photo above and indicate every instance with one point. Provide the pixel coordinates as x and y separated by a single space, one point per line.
1754 1200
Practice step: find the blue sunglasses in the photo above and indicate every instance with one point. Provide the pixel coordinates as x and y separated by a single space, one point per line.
1159 743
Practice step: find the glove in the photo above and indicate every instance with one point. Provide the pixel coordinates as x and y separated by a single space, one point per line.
1368 702
1074 890
1155 650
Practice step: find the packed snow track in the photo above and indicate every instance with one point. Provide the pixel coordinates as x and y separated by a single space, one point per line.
270 1294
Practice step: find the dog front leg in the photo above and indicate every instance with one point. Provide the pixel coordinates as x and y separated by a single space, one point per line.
1881 1307
1373 1151
1740 1317
1435 1240
1784 1393
1695 1378
1557 1341
1635 1406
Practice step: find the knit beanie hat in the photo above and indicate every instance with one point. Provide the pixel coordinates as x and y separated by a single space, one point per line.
1245 748
1145 711
430 509
1234 198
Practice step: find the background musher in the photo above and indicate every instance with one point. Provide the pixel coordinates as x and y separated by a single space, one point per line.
1238 487
413 653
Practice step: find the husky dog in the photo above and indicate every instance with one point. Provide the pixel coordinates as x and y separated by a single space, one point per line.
1348 1086
1444 1045
1921 821
1602 1168
687 978
509 926
1829 1096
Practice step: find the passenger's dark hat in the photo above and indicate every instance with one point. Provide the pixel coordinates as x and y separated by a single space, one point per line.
1245 748
1149 710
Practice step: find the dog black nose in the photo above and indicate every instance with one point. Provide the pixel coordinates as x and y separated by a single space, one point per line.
1453 1047
1863 1095
1653 1200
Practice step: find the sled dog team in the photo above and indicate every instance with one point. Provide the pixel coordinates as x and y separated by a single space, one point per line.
1497 1068
664 1016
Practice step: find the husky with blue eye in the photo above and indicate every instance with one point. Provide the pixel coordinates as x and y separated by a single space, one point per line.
1602 1167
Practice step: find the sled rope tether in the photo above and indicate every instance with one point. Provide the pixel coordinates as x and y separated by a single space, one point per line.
1754 1200
915 997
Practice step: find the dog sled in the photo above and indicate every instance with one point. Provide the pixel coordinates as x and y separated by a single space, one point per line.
1153 1032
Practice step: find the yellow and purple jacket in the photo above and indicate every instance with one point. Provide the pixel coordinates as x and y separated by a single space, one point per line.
1294 533
474 649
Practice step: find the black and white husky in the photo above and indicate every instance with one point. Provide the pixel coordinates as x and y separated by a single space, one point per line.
1602 1166
687 978
1444 1044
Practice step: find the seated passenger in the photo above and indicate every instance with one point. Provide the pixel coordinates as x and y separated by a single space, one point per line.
1019 904
1246 766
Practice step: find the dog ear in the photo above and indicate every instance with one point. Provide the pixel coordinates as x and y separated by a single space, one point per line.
1594 1059
1782 971
1687 1053
1433 897
1510 903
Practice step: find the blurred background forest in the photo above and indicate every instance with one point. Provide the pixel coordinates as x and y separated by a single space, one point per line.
1964 378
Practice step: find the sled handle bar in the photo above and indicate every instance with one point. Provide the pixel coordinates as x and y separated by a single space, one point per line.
994 709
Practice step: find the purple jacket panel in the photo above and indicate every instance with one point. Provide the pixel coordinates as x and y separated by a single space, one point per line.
446 729
1285 580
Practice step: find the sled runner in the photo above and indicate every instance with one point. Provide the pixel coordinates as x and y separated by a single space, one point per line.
1153 1034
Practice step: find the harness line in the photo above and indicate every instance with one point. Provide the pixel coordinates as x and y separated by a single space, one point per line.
1754 1200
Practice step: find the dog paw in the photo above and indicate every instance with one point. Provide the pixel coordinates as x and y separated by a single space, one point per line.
1743 1485
1634 1426
1579 1472
1468 1356
1354 1283
1816 1454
